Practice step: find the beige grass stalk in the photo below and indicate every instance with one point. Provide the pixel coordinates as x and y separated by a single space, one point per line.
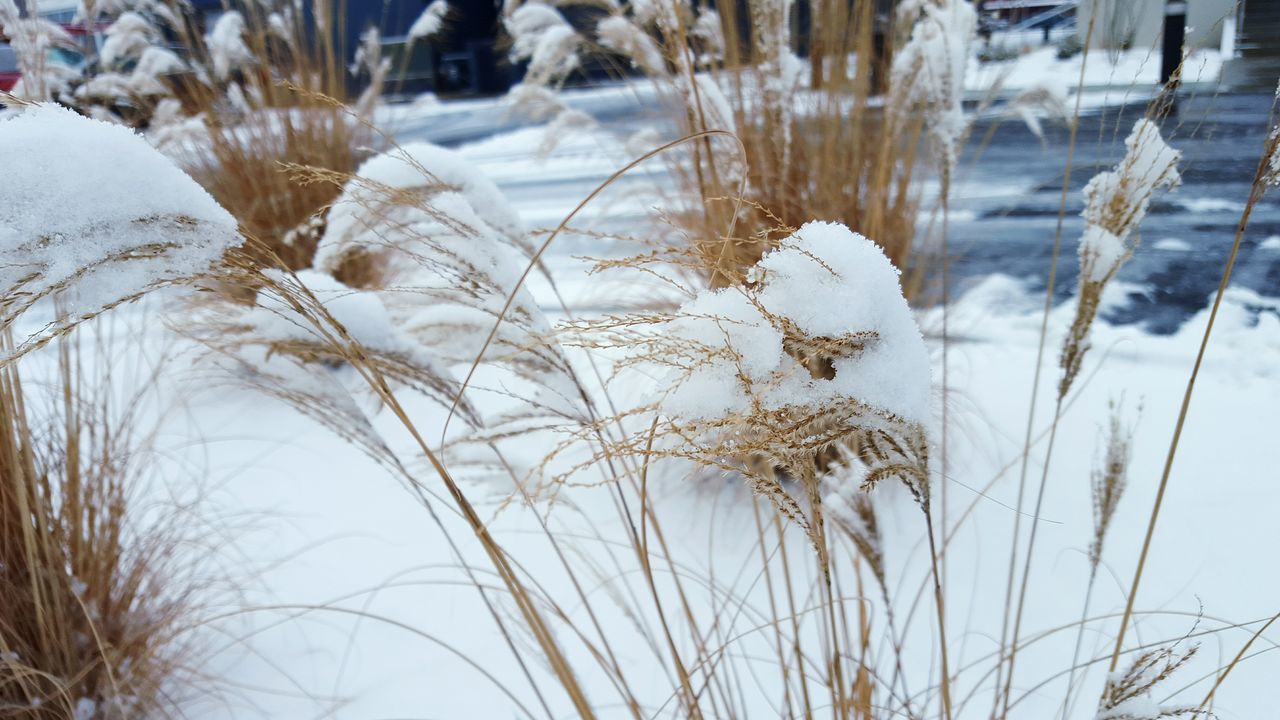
1074 127
96 600
1263 177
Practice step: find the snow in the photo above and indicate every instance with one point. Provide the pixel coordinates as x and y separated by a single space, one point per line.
825 282
1133 71
1118 199
102 217
322 531
226 44
1271 242
617 33
127 37
430 21
541 35
1101 251
1171 244
1209 205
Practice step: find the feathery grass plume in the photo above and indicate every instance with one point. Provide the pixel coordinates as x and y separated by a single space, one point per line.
1109 481
445 252
1115 203
34 39
1127 695
97 599
1107 485
1265 177
542 37
100 220
1271 173
739 390
263 114
418 272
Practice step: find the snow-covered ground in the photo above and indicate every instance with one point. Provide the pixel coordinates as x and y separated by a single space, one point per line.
356 606
351 603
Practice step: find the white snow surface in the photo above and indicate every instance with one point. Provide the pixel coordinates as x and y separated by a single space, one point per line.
99 192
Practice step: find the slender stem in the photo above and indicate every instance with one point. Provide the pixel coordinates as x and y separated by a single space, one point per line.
1255 194
1067 701
942 622
1044 333
1031 546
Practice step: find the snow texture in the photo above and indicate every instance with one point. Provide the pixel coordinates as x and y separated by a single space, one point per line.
617 33
226 45
430 21
823 282
94 212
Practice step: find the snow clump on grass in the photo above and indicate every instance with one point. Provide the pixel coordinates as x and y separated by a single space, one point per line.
817 349
94 215
1116 201
824 292
446 254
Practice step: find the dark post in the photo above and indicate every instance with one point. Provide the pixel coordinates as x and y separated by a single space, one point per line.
1175 31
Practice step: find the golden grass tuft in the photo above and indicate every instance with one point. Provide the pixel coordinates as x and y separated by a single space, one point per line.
95 605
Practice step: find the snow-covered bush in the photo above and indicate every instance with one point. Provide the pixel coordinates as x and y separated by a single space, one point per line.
439 239
101 219
817 349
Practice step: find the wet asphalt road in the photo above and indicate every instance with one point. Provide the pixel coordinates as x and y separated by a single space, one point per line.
1006 198
1006 210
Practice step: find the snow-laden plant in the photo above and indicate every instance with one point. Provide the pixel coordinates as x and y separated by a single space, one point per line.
228 51
132 64
928 71
1116 201
430 22
817 349
100 220
417 277
422 225
542 37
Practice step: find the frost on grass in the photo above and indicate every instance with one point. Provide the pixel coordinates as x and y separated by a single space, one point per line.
95 216
817 349
1116 202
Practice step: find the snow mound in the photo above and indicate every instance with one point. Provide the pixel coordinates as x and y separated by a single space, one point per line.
94 213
